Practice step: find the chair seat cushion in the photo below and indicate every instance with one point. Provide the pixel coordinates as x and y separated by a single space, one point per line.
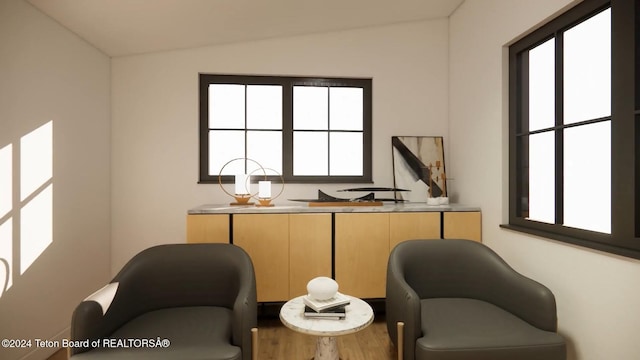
460 329
194 333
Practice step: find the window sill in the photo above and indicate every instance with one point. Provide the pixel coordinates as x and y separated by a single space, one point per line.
600 246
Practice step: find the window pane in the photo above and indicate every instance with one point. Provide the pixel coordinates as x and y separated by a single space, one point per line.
587 177
345 154
224 146
587 69
345 108
542 177
226 106
264 107
265 147
542 86
310 108
310 153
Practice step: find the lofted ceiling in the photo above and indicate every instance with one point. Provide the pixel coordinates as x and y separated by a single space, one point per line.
126 27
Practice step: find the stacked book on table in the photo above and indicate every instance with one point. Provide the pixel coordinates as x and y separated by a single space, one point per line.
333 308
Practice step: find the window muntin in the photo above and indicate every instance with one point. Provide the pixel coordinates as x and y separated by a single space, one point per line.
585 52
331 119
595 162
309 130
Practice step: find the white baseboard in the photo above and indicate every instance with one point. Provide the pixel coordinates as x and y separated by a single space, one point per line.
45 352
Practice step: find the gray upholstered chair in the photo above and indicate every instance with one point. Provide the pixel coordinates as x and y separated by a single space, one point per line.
459 300
200 297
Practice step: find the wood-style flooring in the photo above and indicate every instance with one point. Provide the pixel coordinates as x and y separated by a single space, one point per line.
277 342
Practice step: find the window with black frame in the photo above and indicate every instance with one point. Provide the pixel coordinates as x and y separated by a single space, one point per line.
570 133
306 129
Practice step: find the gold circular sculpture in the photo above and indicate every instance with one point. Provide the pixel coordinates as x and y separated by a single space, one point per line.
243 197
266 201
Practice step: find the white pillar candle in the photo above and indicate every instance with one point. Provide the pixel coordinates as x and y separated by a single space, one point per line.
241 184
264 189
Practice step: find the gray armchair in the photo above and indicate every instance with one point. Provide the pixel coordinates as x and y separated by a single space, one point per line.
201 298
459 300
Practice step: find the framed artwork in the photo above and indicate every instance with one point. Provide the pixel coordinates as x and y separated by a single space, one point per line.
418 166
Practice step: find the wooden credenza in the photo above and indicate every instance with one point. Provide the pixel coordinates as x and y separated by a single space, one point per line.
292 245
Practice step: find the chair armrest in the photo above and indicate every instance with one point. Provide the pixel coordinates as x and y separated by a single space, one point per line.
402 305
104 296
88 316
529 300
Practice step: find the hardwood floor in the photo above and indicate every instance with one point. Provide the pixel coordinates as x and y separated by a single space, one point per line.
59 355
277 342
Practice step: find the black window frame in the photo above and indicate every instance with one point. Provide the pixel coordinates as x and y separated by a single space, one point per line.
625 129
287 83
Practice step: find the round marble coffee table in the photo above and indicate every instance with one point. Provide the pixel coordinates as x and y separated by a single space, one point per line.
358 316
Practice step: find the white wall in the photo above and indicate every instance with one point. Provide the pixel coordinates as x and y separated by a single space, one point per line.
597 293
49 74
155 115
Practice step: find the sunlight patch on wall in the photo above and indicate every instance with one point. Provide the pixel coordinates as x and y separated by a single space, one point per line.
6 188
6 250
6 228
36 172
36 159
36 227
26 203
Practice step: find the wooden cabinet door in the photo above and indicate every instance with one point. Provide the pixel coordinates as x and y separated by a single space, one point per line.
208 228
413 225
361 253
463 225
310 250
266 238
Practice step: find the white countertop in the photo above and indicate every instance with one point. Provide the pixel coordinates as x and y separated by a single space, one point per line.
304 208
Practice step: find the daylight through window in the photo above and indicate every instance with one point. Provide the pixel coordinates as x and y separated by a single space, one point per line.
308 130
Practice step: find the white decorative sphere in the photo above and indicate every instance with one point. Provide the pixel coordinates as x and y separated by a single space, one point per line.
322 288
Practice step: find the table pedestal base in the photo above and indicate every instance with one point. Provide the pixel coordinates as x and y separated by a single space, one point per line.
327 348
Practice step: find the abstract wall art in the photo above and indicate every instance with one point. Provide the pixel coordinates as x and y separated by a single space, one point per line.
418 166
